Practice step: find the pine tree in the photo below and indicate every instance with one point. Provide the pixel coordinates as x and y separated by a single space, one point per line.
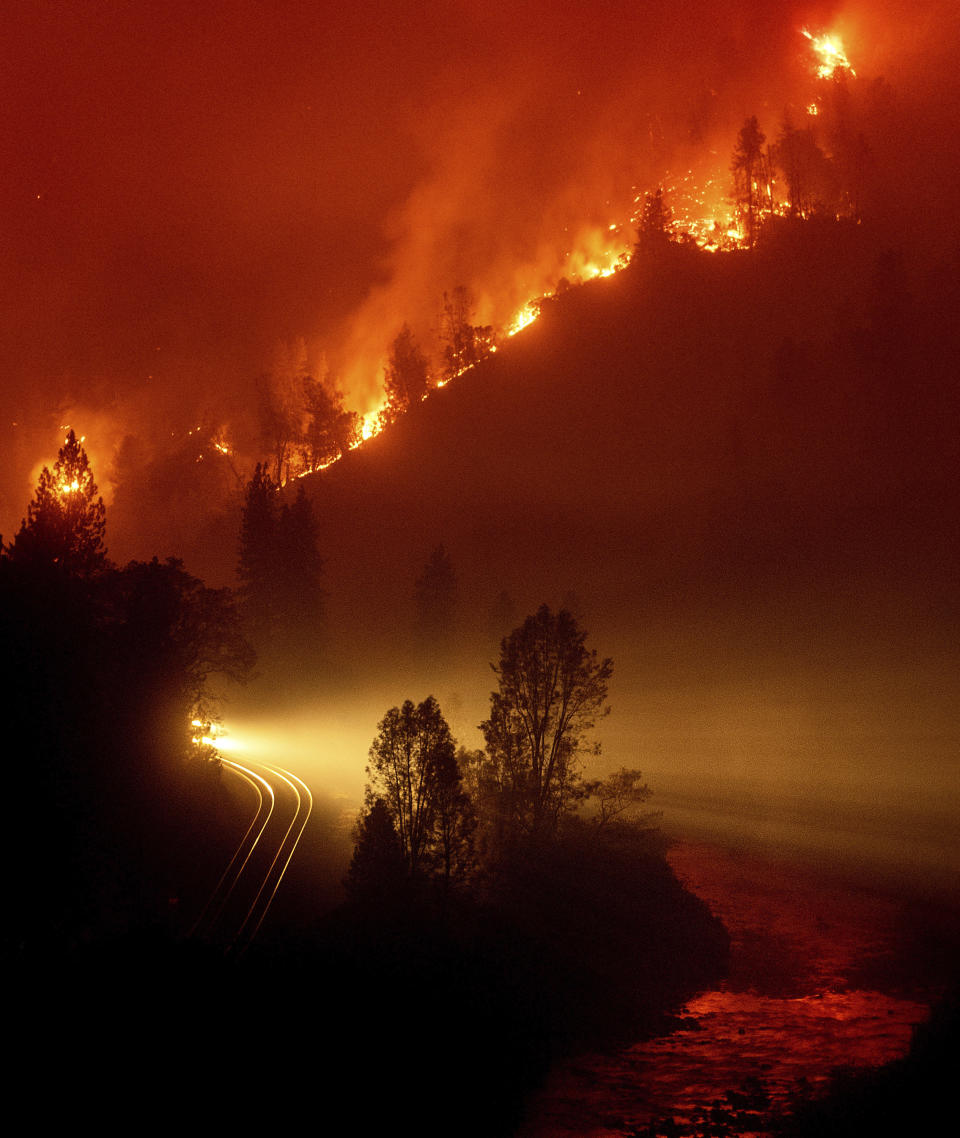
747 167
435 595
653 233
462 342
299 569
378 874
406 378
66 520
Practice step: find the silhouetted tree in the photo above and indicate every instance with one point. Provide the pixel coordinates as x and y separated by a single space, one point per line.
283 407
406 377
803 164
66 520
653 232
378 871
463 344
169 634
617 795
435 596
454 821
299 567
413 769
747 167
323 439
551 691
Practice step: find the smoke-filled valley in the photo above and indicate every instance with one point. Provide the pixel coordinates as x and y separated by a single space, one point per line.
496 594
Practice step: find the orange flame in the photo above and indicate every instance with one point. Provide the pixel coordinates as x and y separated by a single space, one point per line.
829 51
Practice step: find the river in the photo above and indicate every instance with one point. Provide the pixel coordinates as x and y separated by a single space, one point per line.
820 977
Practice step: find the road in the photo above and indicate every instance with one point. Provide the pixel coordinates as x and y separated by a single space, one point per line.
241 900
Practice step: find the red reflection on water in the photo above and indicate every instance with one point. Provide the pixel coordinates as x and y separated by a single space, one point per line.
793 1010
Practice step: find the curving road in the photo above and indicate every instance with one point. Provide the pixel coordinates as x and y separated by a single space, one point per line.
241 900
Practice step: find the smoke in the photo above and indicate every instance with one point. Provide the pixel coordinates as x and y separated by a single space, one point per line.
190 187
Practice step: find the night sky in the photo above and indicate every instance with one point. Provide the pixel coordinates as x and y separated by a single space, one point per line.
187 186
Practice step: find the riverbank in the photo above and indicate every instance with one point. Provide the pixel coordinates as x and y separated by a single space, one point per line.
824 973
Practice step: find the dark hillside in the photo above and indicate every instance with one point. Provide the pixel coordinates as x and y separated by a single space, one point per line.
740 471
707 424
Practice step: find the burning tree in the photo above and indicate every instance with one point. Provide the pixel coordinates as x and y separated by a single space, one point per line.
463 343
407 376
331 429
282 409
748 171
66 520
653 232
804 167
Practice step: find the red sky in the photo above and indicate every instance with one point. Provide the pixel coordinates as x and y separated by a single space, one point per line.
186 185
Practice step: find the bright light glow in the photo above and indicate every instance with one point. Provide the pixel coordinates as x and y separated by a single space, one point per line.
215 735
830 53
371 424
525 317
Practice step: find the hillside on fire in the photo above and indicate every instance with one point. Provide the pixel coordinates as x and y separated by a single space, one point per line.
736 467
696 424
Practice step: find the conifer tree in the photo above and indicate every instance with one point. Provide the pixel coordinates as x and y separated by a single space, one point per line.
435 595
66 520
406 377
747 167
299 569
653 233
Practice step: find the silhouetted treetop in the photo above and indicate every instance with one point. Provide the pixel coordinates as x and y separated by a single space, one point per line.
653 232
552 689
66 520
406 377
413 770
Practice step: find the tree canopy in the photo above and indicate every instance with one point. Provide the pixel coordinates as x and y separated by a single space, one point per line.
653 232
413 770
747 168
552 689
407 376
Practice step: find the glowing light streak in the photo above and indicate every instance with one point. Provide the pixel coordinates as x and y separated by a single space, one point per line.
289 778
247 774
251 780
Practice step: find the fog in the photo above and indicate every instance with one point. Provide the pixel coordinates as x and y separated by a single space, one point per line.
190 186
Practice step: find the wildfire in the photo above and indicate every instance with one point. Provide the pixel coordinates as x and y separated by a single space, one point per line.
697 212
701 213
371 425
525 317
829 51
